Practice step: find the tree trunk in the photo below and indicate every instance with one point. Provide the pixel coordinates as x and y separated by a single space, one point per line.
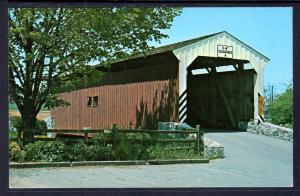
19 138
28 124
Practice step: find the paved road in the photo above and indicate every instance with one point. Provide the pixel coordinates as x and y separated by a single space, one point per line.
251 161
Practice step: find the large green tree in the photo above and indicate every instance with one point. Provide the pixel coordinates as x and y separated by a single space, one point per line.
53 47
281 111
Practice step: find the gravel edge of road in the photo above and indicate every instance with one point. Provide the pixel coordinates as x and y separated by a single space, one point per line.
104 163
73 164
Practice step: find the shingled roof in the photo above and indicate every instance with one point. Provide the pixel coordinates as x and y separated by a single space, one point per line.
165 48
172 47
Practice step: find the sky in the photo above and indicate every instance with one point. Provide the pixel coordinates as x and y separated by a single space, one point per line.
267 30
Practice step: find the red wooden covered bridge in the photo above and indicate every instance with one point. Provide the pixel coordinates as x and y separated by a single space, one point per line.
214 80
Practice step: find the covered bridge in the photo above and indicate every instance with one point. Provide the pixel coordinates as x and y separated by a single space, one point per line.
214 80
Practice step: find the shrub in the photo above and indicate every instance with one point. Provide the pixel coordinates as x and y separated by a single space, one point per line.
172 151
41 126
99 150
76 152
100 153
83 152
45 151
97 138
16 153
16 122
127 150
12 135
281 111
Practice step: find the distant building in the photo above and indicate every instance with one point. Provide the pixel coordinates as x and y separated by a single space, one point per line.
214 80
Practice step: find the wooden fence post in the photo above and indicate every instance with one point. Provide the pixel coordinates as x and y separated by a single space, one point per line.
198 139
85 131
86 136
114 134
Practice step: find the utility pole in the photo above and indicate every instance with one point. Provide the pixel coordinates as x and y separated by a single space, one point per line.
272 95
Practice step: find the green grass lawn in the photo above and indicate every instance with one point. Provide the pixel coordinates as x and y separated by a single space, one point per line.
13 107
12 135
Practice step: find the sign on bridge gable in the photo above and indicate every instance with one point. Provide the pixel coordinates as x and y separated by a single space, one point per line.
225 51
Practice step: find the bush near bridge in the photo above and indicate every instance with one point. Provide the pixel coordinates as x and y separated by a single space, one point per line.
16 153
15 122
98 150
281 111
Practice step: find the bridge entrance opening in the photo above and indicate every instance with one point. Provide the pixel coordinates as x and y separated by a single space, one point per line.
220 92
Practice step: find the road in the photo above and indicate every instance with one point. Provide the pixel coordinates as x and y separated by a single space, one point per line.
250 161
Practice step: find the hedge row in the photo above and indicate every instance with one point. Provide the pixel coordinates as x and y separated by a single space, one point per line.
97 150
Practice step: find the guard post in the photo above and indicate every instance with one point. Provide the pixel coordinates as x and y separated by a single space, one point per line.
199 140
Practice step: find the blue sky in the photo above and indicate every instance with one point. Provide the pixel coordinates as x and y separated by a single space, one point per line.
268 30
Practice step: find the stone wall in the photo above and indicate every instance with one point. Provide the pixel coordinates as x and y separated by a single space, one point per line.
271 130
212 149
173 126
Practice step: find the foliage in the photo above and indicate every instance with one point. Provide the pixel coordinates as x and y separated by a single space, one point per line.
52 151
83 152
142 150
16 122
281 111
100 153
13 107
172 151
16 153
53 47
134 136
127 150
98 138
76 152
41 126
97 149
12 135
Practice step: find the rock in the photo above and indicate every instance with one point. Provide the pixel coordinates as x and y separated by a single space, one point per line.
269 129
212 149
173 126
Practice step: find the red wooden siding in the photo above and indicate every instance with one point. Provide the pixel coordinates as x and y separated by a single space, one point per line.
142 97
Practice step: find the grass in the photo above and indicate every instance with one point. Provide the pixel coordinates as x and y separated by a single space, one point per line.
13 111
13 107
12 135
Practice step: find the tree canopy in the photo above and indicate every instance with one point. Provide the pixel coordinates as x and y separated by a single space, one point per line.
53 47
281 111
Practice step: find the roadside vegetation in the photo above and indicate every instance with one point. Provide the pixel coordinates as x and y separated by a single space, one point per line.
15 123
280 111
104 146
98 150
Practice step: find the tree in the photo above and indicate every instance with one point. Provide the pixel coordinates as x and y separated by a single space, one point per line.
53 47
281 111
268 100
